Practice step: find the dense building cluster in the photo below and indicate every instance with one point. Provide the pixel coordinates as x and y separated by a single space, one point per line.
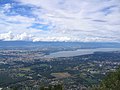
28 69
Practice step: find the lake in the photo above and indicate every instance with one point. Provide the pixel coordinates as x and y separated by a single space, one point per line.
79 52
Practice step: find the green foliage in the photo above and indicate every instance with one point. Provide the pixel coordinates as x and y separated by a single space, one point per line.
55 87
111 82
42 88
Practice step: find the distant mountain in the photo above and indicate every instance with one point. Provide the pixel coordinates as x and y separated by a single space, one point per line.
59 44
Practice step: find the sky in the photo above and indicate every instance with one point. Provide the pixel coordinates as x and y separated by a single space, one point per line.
60 20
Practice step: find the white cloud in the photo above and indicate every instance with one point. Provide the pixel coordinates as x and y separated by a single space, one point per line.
10 36
6 36
69 20
23 36
7 7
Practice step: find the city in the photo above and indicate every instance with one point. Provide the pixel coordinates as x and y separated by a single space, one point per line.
29 69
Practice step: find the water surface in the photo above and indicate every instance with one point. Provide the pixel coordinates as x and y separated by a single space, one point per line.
80 52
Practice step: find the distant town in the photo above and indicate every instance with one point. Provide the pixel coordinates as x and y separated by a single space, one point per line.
28 69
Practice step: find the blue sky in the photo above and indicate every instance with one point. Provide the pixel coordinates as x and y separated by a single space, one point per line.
60 20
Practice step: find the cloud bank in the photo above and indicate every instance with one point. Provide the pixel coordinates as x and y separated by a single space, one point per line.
60 20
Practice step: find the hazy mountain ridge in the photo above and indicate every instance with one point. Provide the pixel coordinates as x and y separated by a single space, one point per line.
59 44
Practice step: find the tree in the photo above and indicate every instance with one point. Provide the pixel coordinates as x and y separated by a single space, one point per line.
50 87
111 82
